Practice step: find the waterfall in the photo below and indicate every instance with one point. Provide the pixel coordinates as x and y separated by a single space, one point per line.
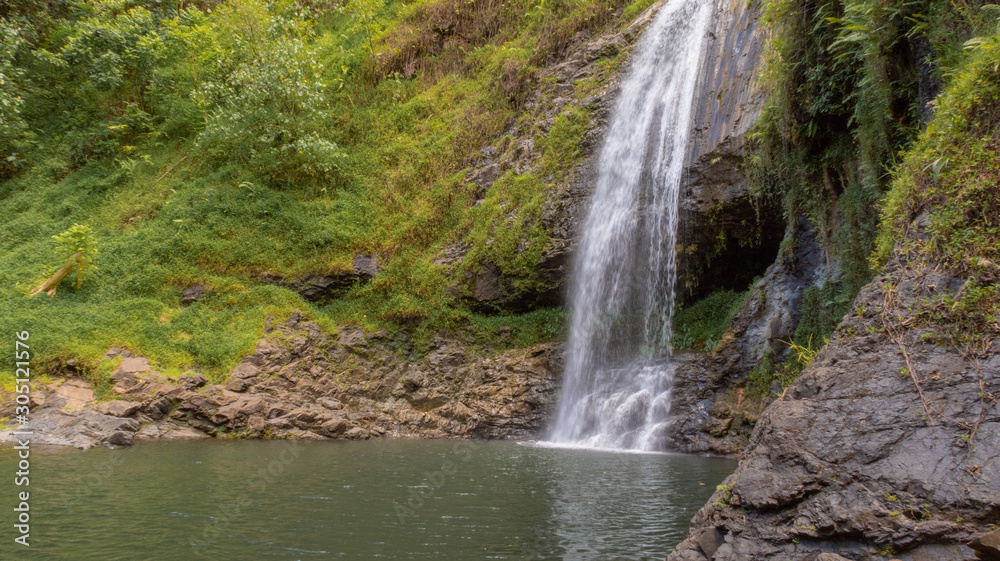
616 388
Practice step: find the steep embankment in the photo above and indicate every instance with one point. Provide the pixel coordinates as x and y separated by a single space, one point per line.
887 446
390 165
371 356
302 383
412 168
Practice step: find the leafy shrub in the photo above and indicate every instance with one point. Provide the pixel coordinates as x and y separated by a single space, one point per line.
822 307
263 95
115 47
704 322
12 125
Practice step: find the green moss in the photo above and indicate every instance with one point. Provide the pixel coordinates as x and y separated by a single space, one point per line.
506 229
561 146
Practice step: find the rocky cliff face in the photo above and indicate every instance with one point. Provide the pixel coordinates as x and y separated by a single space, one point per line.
885 448
710 414
727 237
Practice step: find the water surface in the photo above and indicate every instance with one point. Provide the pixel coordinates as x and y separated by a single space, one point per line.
386 499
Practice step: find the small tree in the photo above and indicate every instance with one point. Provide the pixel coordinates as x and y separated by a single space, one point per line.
365 14
78 246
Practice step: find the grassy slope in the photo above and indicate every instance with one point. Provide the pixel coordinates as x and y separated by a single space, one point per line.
176 217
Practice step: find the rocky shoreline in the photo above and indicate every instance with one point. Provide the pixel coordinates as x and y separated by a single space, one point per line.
302 383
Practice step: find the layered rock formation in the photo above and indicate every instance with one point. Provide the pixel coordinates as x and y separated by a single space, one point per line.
302 383
886 448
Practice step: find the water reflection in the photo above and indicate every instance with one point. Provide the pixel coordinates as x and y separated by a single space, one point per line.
452 500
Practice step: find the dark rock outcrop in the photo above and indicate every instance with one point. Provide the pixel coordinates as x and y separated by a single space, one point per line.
727 237
192 294
710 415
323 288
888 446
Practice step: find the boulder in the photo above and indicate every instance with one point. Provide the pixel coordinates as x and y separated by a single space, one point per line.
987 546
118 408
193 293
854 460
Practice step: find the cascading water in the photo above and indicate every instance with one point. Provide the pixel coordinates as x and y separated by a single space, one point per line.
616 390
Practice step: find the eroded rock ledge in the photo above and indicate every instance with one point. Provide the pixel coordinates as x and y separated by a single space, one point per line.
302 383
851 464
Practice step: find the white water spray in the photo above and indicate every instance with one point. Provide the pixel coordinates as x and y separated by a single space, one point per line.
616 389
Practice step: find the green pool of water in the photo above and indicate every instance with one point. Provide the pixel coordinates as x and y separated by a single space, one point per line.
385 499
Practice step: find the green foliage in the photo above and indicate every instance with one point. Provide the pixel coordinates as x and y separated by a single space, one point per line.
760 378
12 125
78 239
845 77
216 142
263 95
509 215
115 47
725 497
561 147
513 331
365 14
702 324
946 186
822 308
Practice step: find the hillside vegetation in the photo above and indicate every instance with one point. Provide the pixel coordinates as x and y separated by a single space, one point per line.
881 128
219 143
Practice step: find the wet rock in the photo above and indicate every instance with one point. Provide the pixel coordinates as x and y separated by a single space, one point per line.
357 433
760 327
120 438
169 431
84 429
